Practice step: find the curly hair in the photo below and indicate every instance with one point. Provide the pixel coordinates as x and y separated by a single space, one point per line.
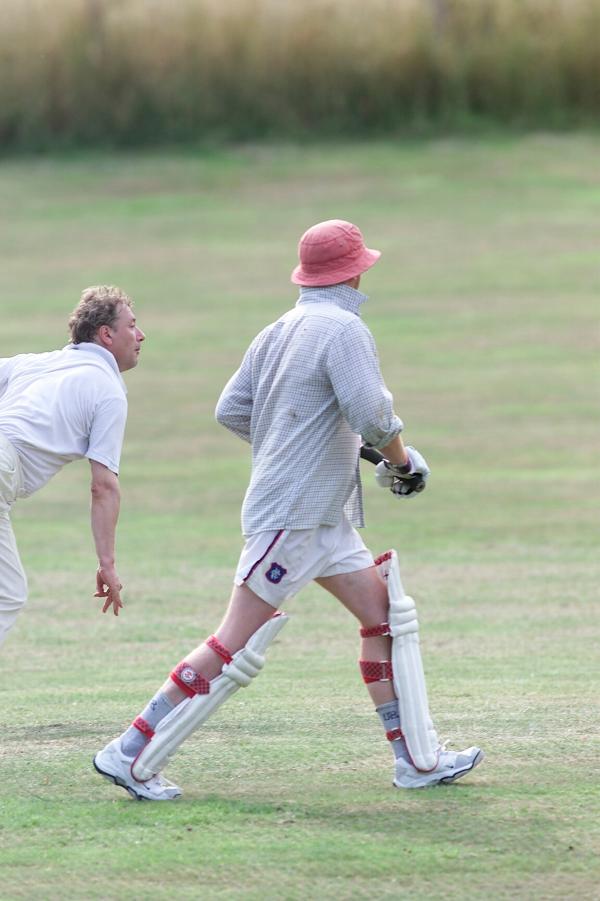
99 305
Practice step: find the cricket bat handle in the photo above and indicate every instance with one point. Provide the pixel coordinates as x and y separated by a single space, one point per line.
373 456
370 454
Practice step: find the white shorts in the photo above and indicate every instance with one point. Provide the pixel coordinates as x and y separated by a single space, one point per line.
277 564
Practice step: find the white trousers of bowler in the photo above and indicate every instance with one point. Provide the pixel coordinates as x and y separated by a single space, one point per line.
13 581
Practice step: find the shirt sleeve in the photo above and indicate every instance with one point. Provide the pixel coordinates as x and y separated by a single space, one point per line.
234 407
6 367
365 402
107 433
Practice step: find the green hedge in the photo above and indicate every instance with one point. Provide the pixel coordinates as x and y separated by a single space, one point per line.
135 72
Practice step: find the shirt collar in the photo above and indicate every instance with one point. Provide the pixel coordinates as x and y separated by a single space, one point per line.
102 353
341 295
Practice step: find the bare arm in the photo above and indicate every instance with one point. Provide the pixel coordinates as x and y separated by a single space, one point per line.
395 452
106 500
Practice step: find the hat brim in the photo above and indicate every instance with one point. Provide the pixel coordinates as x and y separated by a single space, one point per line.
332 274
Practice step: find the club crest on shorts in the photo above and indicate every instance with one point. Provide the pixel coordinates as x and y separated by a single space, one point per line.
275 573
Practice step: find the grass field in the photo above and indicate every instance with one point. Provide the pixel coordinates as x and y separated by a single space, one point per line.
485 310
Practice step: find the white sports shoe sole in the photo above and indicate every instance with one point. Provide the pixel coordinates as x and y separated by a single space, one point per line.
448 770
112 764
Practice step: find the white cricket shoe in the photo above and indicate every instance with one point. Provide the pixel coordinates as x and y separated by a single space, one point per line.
452 765
116 767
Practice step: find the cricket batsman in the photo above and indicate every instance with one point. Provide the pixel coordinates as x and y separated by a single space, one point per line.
308 393
61 406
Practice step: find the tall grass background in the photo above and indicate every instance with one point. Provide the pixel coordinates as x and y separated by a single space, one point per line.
141 72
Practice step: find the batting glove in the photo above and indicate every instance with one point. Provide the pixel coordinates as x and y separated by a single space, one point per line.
404 481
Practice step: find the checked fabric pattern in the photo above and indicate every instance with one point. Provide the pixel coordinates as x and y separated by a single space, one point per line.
309 385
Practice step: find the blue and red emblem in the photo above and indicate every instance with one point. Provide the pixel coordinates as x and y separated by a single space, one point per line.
275 573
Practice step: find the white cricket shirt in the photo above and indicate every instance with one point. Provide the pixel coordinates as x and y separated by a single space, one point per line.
61 406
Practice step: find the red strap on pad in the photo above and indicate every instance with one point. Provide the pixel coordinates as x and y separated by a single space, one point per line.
144 727
382 558
373 631
394 734
376 670
215 645
189 681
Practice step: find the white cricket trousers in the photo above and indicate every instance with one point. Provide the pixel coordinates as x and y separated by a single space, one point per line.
13 581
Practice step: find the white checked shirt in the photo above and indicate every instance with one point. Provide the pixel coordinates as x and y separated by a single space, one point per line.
309 386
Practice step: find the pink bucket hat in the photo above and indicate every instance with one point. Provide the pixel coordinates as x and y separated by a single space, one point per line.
332 252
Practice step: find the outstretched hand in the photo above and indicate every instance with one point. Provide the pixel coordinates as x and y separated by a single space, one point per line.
108 585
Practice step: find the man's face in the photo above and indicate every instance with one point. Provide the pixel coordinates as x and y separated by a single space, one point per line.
124 339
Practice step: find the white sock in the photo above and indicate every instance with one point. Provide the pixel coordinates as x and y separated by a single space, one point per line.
389 715
132 740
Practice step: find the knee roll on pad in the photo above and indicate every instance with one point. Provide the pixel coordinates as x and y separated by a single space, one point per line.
193 711
407 666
